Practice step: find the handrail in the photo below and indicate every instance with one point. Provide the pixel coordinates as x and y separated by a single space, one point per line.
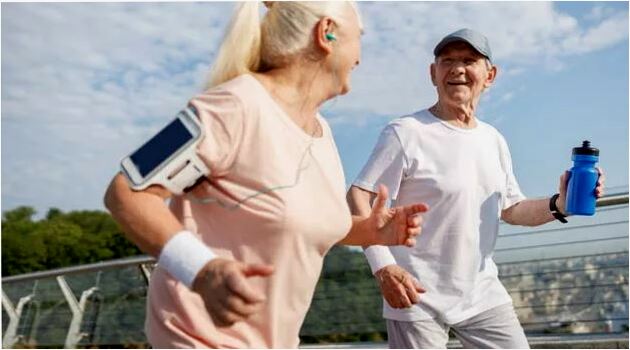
613 199
72 270
607 200
143 266
548 339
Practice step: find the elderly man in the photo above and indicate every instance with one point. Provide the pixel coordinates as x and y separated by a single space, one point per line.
462 168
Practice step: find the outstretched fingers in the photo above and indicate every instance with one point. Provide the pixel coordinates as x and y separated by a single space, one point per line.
416 208
410 239
414 220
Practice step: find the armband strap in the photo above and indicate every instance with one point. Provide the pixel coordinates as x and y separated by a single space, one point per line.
183 256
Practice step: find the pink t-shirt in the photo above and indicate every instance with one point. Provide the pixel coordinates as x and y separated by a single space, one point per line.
277 197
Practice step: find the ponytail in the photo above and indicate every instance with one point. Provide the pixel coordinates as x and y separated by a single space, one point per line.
240 51
251 44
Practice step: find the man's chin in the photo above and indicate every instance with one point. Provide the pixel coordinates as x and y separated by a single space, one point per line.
456 99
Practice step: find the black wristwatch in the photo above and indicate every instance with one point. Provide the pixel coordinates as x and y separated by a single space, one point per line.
554 209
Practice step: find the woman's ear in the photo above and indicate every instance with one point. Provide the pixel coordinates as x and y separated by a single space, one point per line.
324 36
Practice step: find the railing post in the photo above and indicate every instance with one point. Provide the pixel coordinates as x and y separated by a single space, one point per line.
146 273
73 337
10 336
74 332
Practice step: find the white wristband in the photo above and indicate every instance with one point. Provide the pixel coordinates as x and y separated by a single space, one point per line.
184 255
378 256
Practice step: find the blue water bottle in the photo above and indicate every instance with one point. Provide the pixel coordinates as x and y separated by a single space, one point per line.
582 180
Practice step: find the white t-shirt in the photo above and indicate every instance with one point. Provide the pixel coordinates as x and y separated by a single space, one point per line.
465 175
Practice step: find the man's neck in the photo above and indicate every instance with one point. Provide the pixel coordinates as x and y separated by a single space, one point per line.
462 116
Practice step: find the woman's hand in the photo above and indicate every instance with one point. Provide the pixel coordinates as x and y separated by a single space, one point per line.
395 226
226 291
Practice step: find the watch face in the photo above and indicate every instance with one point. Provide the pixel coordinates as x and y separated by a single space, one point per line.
159 148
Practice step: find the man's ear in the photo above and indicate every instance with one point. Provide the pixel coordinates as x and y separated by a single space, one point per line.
492 75
432 70
325 26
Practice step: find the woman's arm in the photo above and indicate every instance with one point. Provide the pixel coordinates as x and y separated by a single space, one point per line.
360 202
147 221
382 225
143 215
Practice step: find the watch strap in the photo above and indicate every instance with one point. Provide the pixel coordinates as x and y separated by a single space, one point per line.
554 209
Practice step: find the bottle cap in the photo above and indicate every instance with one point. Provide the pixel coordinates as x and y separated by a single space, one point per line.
586 149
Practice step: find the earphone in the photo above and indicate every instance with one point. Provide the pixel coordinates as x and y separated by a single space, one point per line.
331 37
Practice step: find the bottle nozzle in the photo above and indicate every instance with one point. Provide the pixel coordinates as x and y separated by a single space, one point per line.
586 149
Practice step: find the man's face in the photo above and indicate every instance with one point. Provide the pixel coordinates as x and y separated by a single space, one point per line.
460 74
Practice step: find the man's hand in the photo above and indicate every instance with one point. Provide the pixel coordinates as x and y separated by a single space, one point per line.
395 226
225 288
398 286
564 181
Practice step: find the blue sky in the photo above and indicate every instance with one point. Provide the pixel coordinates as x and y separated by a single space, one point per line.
85 83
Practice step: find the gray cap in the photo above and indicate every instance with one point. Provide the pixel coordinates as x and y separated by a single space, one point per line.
475 39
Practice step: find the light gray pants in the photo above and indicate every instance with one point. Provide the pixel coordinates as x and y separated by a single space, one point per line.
493 329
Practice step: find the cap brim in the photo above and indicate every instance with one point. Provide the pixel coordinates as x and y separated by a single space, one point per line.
446 41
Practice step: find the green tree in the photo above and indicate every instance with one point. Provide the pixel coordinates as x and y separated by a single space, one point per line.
60 239
63 243
105 240
53 213
22 251
19 214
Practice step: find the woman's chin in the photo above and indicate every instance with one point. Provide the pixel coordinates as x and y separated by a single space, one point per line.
345 89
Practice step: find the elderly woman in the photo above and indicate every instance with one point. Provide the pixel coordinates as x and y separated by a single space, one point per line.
240 255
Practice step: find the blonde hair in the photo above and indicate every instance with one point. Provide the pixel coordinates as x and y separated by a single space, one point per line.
251 44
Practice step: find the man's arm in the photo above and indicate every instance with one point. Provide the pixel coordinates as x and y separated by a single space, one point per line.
534 212
529 212
360 201
399 288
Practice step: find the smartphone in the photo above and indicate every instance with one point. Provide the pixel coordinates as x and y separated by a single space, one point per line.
165 157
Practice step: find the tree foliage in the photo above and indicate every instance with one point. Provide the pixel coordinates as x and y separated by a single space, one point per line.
60 239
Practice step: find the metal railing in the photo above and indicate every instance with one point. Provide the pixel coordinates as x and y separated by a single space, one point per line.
567 283
89 290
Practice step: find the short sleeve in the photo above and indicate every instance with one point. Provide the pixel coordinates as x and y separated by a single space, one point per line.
222 118
386 165
512 192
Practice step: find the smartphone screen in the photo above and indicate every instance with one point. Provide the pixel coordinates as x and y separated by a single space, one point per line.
160 147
